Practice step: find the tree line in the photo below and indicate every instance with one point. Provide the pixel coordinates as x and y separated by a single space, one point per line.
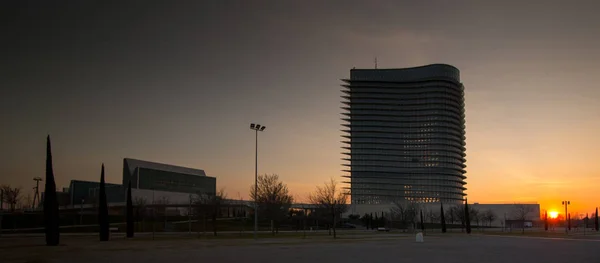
272 197
407 215
274 201
412 215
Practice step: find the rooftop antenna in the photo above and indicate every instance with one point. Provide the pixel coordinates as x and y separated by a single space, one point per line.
375 62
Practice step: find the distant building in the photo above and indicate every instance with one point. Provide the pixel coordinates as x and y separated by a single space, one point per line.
62 198
148 180
164 177
83 192
405 136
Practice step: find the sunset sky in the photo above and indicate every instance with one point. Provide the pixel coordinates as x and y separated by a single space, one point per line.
180 84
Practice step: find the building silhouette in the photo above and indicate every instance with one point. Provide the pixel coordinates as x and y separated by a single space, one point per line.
404 135
165 177
149 180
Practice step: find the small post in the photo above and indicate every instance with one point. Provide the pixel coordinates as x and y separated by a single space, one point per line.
190 216
584 224
81 214
153 215
304 221
567 218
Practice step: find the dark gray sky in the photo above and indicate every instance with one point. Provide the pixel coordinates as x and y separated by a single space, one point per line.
180 82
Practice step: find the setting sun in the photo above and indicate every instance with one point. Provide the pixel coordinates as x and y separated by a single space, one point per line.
553 214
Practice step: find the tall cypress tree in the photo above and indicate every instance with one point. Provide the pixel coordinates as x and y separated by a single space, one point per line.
467 219
129 212
103 209
443 218
596 221
422 223
51 216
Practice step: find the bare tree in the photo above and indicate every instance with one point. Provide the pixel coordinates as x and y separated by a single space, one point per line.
11 195
489 216
139 204
216 202
163 201
273 198
575 216
458 213
433 216
331 200
475 215
405 212
209 205
26 202
521 212
302 214
201 208
449 215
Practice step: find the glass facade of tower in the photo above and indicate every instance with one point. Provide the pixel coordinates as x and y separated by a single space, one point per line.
405 135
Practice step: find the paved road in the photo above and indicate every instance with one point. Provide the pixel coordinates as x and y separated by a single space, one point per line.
445 249
184 234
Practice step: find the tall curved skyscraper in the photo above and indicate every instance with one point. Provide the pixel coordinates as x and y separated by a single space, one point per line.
405 135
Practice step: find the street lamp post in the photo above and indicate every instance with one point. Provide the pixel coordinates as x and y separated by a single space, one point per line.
36 194
566 204
190 216
256 128
1 208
